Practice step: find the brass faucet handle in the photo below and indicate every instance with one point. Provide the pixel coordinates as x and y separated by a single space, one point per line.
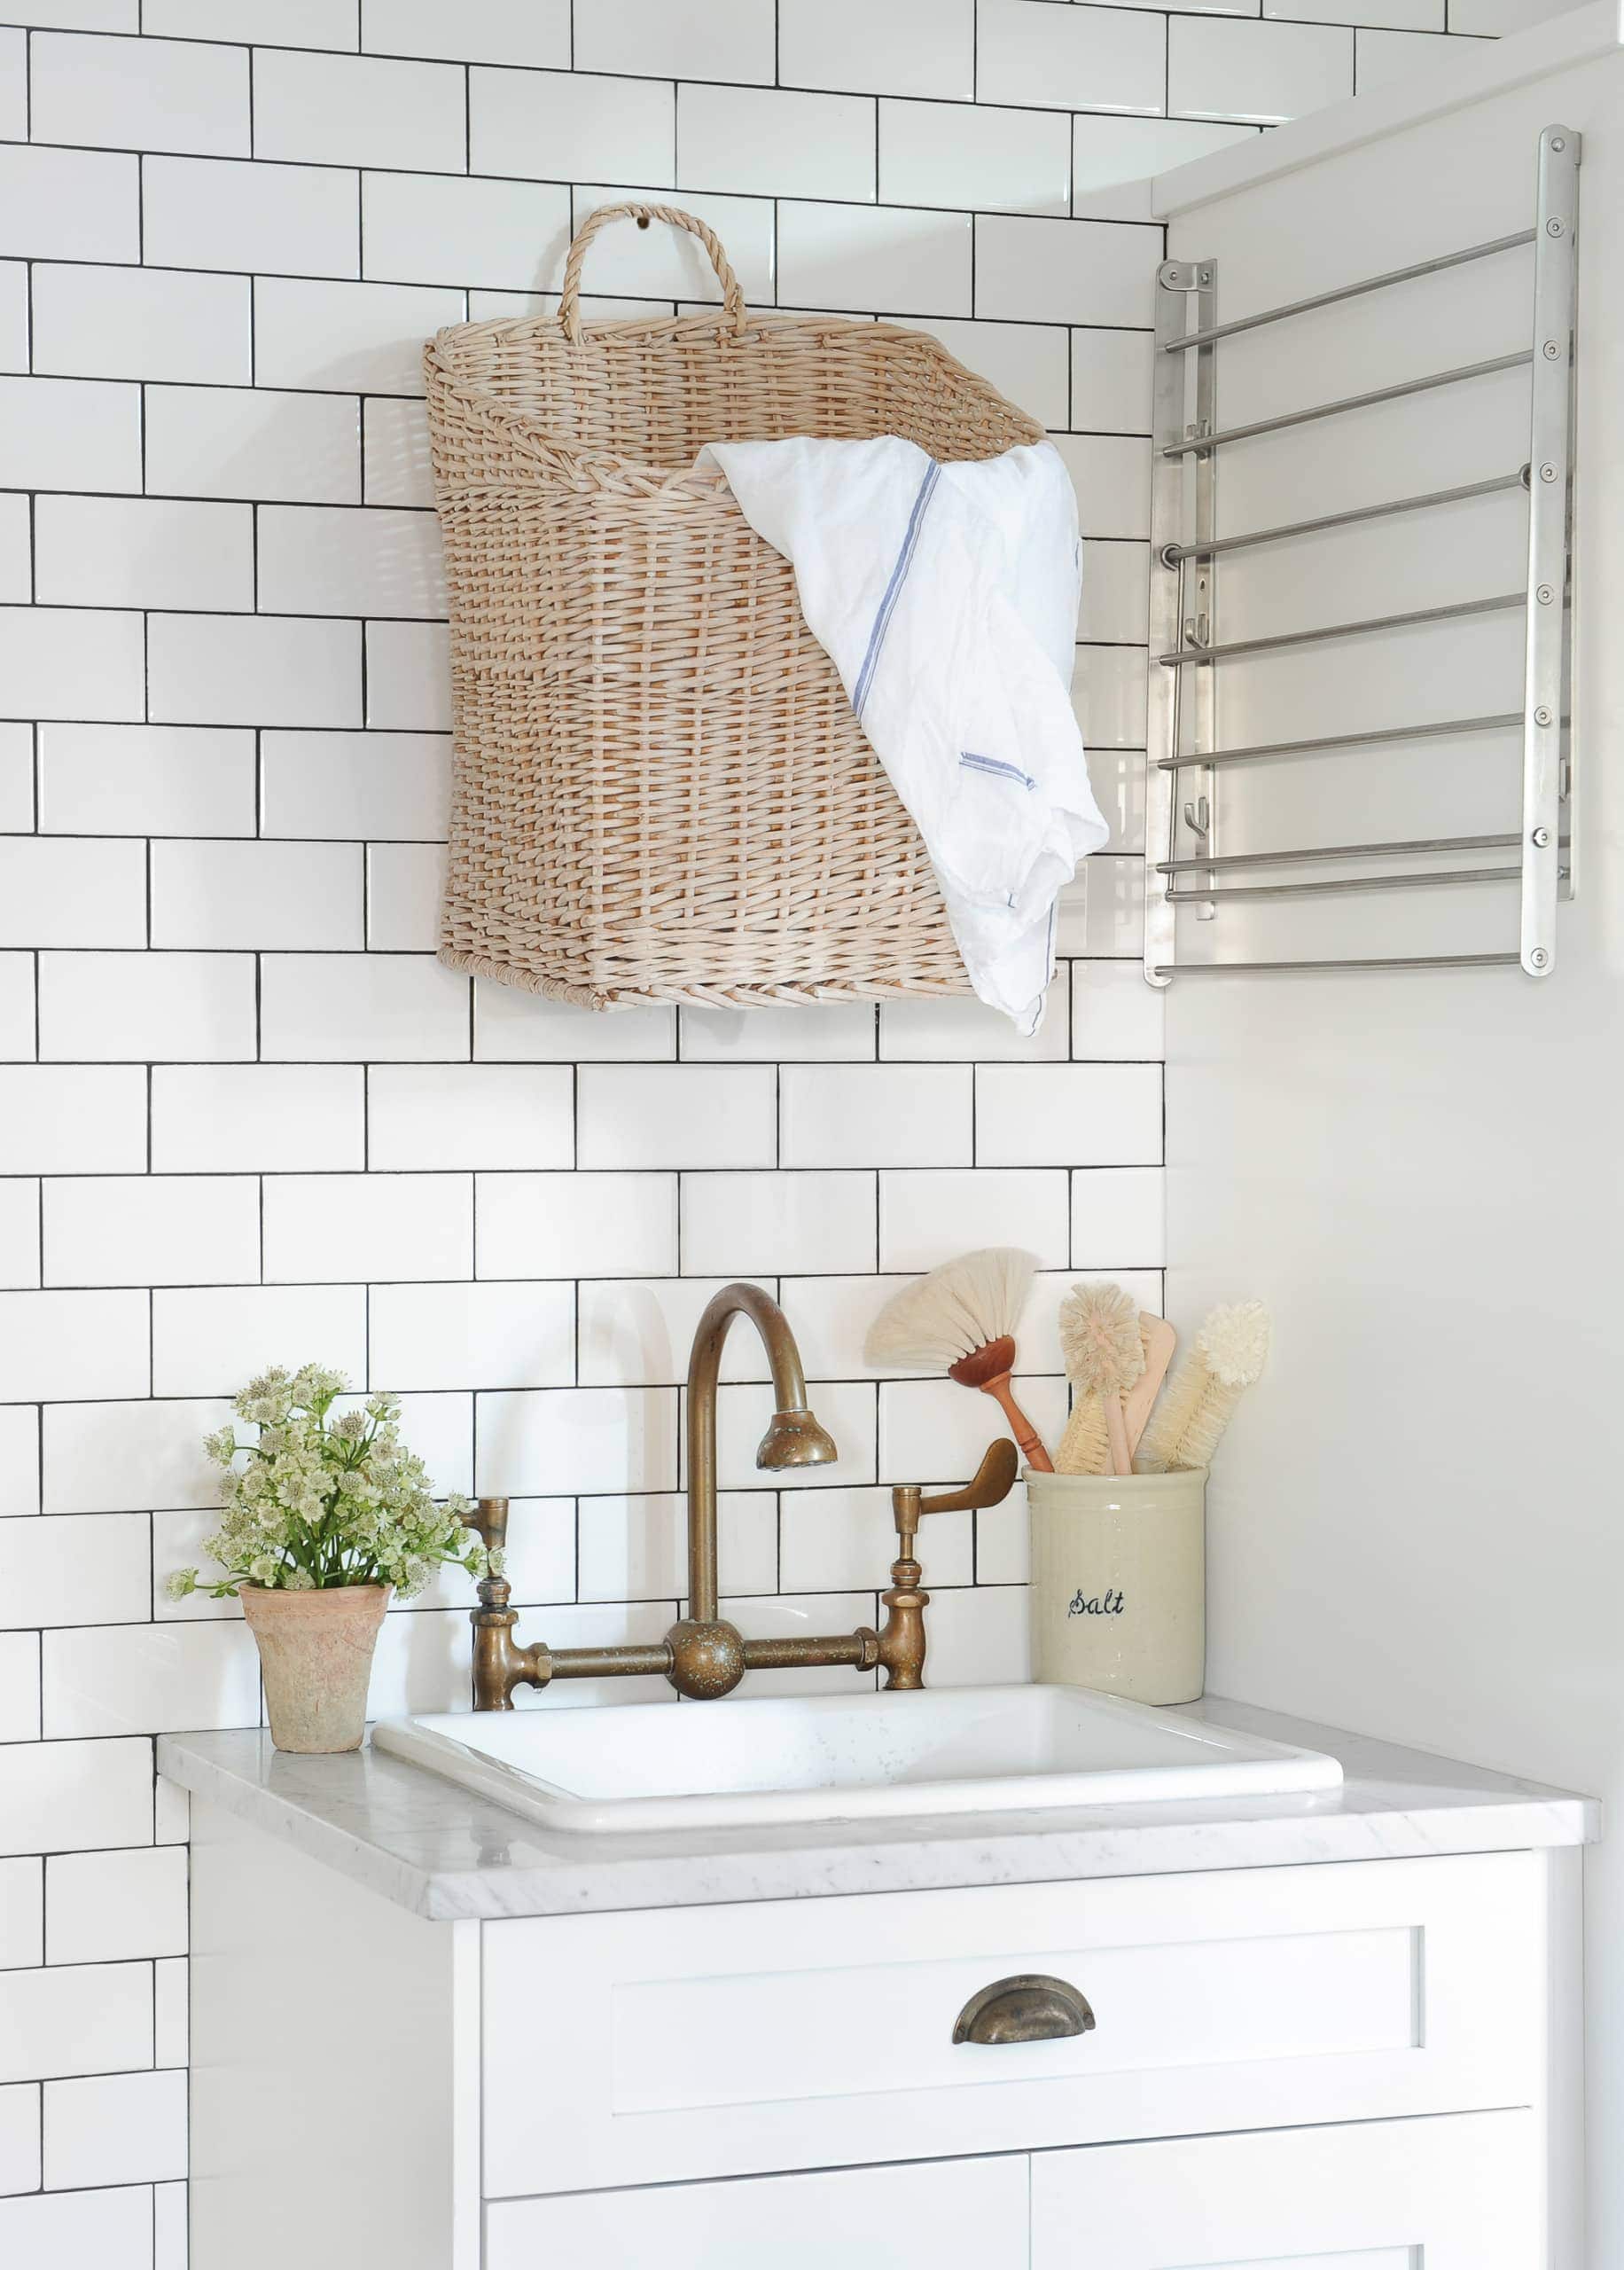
489 1517
993 1481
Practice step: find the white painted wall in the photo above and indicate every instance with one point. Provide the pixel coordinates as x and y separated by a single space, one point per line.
1415 1523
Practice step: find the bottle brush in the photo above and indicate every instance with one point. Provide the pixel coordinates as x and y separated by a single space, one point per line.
1105 1355
1229 1353
962 1318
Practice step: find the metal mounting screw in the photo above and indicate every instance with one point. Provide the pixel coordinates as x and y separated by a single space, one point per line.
1538 959
1542 716
1553 228
1557 142
1541 836
1548 472
1550 350
1544 594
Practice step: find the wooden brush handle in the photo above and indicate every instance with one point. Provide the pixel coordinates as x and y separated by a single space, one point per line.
1159 1341
1025 1433
1116 1433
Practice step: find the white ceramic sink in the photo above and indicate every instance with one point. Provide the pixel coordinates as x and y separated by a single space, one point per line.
737 1764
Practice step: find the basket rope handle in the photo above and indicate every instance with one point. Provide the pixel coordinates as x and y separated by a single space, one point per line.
569 299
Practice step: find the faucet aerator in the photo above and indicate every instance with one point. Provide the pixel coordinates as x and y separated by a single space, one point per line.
795 1438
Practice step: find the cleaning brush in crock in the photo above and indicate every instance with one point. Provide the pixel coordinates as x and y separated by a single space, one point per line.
1230 1352
963 1318
1105 1355
1085 1447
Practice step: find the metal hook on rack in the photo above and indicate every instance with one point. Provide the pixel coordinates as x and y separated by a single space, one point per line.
1198 817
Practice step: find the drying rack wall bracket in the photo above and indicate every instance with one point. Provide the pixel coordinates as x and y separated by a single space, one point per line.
1184 867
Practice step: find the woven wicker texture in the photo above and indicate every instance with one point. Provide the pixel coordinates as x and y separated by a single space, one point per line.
660 792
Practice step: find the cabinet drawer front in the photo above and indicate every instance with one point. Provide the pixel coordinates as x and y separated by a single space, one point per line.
1457 2194
729 2041
960 2215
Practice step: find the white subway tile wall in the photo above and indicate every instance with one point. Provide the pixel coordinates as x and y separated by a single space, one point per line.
245 1115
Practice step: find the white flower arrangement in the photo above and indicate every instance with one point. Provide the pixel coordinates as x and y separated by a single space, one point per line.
323 1501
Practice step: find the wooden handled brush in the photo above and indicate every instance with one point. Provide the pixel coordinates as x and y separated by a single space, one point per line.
1105 1357
962 1317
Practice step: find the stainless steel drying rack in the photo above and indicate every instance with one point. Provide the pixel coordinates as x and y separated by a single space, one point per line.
1186 650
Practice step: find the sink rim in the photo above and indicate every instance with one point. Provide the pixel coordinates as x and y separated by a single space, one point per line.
1244 1766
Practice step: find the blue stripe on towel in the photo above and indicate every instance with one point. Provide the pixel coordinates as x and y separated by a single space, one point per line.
899 576
969 762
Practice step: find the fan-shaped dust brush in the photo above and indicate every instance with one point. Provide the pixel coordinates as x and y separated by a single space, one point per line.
962 1317
1105 1355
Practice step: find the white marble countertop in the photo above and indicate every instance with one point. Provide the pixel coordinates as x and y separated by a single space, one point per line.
444 1853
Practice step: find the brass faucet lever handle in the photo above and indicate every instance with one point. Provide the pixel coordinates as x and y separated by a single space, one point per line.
994 1480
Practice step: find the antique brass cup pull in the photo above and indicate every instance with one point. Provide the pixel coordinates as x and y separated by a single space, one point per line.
1024 2009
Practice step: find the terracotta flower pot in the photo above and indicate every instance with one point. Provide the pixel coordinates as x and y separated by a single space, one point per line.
315 1651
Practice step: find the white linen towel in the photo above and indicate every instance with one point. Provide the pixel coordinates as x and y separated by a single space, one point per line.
947 597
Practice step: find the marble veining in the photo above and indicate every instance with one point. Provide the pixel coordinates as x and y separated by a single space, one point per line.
417 1840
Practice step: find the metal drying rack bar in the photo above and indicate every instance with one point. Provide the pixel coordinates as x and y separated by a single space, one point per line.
1183 612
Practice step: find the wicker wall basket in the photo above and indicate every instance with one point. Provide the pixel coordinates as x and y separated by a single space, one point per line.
661 791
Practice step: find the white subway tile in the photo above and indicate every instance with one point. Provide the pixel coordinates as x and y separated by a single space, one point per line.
14 315
487 1115
99 2018
69 204
1078 271
1027 362
80 2227
54 1345
171 2033
151 1230
170 2240
13 85
831 1032
876 1115
376 785
358 111
20 2141
1259 72
775 143
1395 15
179 1541
71 662
116 1906
541 1558
75 1797
77 1119
932 1430
16 563
678 39
145 781
116 323
925 1218
67 1568
845 1407
511 1026
280 1118
1111 381
983 158
291 219
20 1464
634 1548
895 260
22 1932
832 1317
338 1229
142 552
589 1226
1070 58
1068 1115
16 776
107 1457
484 1335
1112 475
1494 18
211 671
665 263
65 434
214 1343
883 47
130 2128
565 125
396 467
1382 58
79 15
929 1031
981 1635
639 1333
17 1010
364 338
233 441
330 559
1119 1218
156 95
157 1678
407 678
674 1116
83 892
436 228
405 883
171 1825
758 1224
480 31
1115 1014
599 1439
305 896
20 1686
392 1008
1109 696
19 1235
1114 159
132 1008
282 23
834 1540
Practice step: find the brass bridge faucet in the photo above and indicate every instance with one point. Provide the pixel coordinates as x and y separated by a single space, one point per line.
704 1656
